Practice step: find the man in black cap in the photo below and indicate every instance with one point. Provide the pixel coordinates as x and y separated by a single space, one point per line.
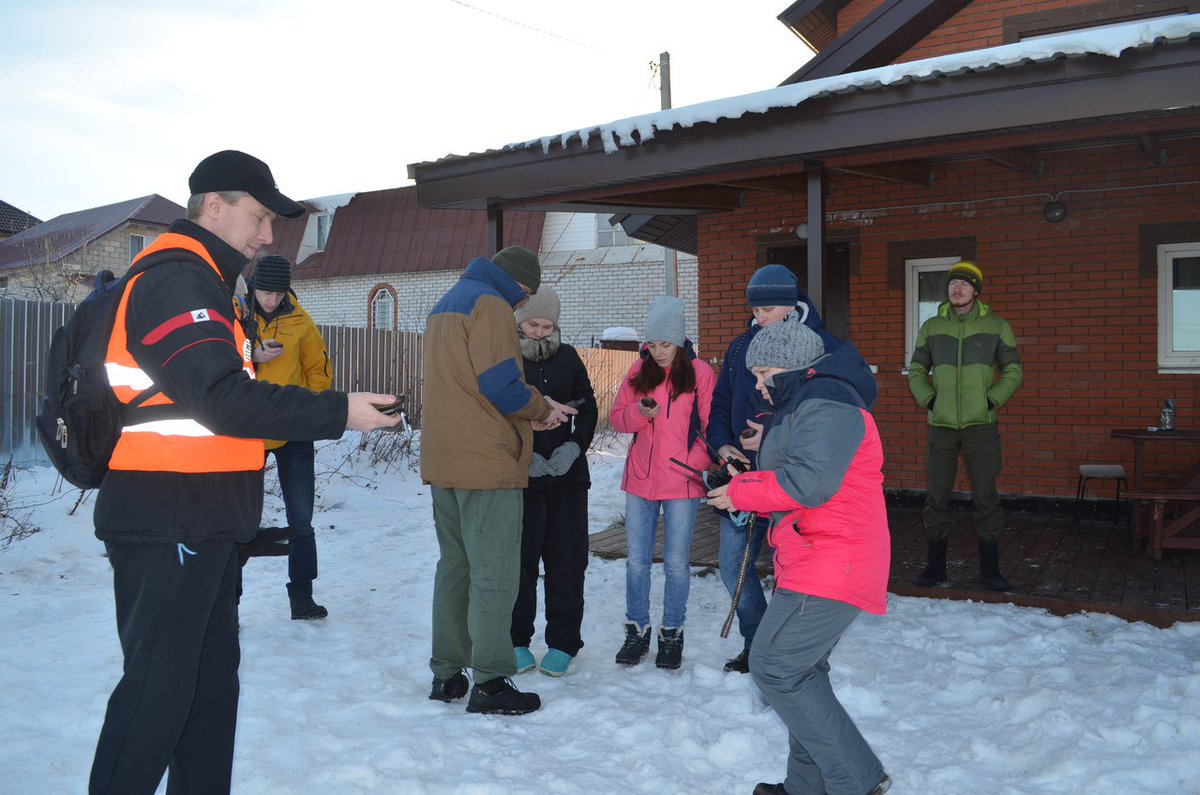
185 481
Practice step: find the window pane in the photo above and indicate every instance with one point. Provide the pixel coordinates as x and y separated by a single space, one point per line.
136 244
322 231
1185 303
931 291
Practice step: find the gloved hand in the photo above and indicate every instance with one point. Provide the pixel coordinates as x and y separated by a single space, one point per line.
538 467
561 459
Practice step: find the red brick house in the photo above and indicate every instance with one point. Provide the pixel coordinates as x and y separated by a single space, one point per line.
1055 143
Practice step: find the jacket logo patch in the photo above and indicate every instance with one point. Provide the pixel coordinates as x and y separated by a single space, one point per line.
199 315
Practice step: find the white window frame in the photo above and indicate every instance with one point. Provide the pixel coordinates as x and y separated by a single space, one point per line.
145 242
326 220
1169 359
913 268
383 298
613 233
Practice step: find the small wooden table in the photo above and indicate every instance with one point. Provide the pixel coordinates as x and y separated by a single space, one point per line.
1188 481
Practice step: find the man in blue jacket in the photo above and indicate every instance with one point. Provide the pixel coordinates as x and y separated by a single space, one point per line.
772 293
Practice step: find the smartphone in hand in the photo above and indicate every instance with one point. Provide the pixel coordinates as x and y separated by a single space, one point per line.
649 402
272 344
391 409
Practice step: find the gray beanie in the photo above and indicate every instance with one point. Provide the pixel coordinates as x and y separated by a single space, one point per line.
787 343
544 305
521 264
664 321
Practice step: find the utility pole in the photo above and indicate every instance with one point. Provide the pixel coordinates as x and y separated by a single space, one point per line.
664 90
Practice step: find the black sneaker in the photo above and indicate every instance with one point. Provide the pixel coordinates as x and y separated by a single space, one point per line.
670 648
635 646
305 609
764 788
739 664
449 689
500 697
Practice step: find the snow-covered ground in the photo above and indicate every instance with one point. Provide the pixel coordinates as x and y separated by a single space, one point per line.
955 697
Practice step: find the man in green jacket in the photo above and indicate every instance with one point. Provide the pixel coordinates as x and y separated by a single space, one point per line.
953 375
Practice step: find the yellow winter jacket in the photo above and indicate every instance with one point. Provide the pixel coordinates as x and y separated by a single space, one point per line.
304 361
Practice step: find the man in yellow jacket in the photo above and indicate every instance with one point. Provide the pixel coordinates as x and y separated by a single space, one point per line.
289 350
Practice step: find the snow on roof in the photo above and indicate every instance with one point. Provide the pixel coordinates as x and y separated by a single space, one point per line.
1110 40
620 333
330 204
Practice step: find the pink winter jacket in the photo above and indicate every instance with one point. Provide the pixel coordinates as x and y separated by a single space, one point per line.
648 472
821 479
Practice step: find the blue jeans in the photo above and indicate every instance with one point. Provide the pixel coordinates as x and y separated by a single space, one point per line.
296 480
752 603
641 520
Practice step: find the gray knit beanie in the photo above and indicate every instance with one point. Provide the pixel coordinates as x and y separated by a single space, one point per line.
521 264
664 321
788 344
543 305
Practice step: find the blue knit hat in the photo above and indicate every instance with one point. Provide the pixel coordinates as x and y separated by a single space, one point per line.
772 285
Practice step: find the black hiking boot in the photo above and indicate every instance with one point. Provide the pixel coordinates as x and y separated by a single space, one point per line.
670 648
305 609
989 566
449 689
935 569
635 646
500 697
739 664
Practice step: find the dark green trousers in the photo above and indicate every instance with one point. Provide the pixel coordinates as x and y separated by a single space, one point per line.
979 446
479 535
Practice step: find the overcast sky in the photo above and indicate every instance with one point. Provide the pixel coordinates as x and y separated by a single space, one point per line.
103 102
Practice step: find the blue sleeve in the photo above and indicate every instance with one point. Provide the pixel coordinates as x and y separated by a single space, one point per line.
822 439
720 417
504 388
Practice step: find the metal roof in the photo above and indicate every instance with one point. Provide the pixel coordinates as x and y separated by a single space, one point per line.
62 236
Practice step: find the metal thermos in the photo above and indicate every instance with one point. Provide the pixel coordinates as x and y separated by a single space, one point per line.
1167 421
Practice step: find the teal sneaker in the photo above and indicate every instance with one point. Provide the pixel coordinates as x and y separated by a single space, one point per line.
525 660
555 663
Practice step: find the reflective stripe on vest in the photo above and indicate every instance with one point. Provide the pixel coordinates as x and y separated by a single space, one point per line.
171 445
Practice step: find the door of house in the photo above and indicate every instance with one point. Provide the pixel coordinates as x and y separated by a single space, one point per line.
835 310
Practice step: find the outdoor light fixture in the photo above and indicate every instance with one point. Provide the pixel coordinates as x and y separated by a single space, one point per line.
802 231
1054 212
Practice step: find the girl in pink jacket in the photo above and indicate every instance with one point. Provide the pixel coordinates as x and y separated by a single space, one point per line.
820 478
664 402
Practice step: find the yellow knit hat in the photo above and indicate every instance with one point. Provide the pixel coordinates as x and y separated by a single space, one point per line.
969 272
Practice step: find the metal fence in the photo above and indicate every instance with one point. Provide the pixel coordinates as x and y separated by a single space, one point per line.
363 360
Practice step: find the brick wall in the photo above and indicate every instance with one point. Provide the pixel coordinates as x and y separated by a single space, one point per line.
1085 317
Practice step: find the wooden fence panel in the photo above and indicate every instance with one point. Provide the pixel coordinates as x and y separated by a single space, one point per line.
26 328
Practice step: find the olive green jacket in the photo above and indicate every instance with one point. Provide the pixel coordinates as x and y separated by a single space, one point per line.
953 368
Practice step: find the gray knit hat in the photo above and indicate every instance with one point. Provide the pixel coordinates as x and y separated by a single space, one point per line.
543 305
788 344
521 264
664 321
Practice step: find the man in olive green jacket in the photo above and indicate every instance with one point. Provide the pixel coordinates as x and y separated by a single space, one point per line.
477 421
953 375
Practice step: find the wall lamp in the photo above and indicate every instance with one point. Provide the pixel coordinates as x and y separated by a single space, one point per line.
1054 212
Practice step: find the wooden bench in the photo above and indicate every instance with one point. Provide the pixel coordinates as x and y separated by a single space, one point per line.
1164 535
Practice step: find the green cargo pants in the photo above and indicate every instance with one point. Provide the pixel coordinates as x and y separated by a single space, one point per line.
980 449
479 535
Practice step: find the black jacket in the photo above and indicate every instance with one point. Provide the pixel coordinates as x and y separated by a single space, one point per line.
564 378
197 365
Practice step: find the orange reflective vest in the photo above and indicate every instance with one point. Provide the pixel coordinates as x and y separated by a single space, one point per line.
171 445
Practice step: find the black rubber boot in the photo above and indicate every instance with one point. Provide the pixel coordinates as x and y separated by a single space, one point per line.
935 569
989 566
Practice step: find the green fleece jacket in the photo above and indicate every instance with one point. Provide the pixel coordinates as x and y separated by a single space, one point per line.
953 368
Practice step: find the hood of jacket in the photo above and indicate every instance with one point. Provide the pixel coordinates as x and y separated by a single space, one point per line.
841 375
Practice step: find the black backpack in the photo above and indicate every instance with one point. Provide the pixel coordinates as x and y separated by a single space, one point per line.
81 419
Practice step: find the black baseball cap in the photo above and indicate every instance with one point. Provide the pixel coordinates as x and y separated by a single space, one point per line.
233 170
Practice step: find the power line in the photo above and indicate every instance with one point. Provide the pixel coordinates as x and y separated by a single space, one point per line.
523 25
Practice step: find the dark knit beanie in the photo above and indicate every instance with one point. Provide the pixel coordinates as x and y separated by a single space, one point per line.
521 264
272 274
772 285
969 272
788 344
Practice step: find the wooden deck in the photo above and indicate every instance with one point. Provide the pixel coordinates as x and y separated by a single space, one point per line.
1051 563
